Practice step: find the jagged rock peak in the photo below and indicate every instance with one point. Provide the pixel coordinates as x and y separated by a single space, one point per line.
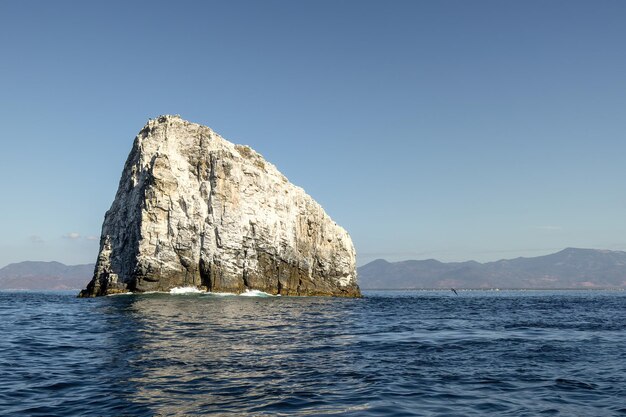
193 209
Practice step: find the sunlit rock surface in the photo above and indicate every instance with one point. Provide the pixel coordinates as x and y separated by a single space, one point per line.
193 209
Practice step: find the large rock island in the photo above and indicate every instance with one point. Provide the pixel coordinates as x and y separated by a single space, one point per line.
193 209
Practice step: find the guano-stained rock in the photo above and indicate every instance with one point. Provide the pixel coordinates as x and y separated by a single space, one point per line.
193 209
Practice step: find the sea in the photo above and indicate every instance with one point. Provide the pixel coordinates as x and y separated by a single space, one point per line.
390 353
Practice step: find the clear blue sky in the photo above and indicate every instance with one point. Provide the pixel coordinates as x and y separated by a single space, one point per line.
452 130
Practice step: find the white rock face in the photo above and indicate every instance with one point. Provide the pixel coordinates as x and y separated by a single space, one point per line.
193 209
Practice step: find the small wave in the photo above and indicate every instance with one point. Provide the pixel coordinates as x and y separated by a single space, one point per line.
120 293
185 290
255 293
246 293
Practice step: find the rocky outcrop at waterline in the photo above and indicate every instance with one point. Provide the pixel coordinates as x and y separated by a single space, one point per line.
193 209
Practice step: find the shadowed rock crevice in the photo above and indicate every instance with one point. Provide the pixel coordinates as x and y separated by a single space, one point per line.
193 209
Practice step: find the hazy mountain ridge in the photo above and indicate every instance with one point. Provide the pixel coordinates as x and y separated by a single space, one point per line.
569 268
36 275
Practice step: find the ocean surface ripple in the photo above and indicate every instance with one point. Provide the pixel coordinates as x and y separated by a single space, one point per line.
422 353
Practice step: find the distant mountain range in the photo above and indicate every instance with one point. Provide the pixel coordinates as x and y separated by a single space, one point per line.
31 275
569 268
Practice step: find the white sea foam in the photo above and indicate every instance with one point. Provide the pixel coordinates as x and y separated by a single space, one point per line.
194 290
185 290
246 293
255 293
221 294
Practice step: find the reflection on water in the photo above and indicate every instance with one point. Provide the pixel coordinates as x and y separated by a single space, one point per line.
197 353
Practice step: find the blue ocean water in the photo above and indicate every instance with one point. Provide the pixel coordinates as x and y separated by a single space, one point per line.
506 353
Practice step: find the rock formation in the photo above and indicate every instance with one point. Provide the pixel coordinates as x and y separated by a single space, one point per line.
193 209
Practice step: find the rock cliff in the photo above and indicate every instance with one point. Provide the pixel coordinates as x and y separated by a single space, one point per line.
193 209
